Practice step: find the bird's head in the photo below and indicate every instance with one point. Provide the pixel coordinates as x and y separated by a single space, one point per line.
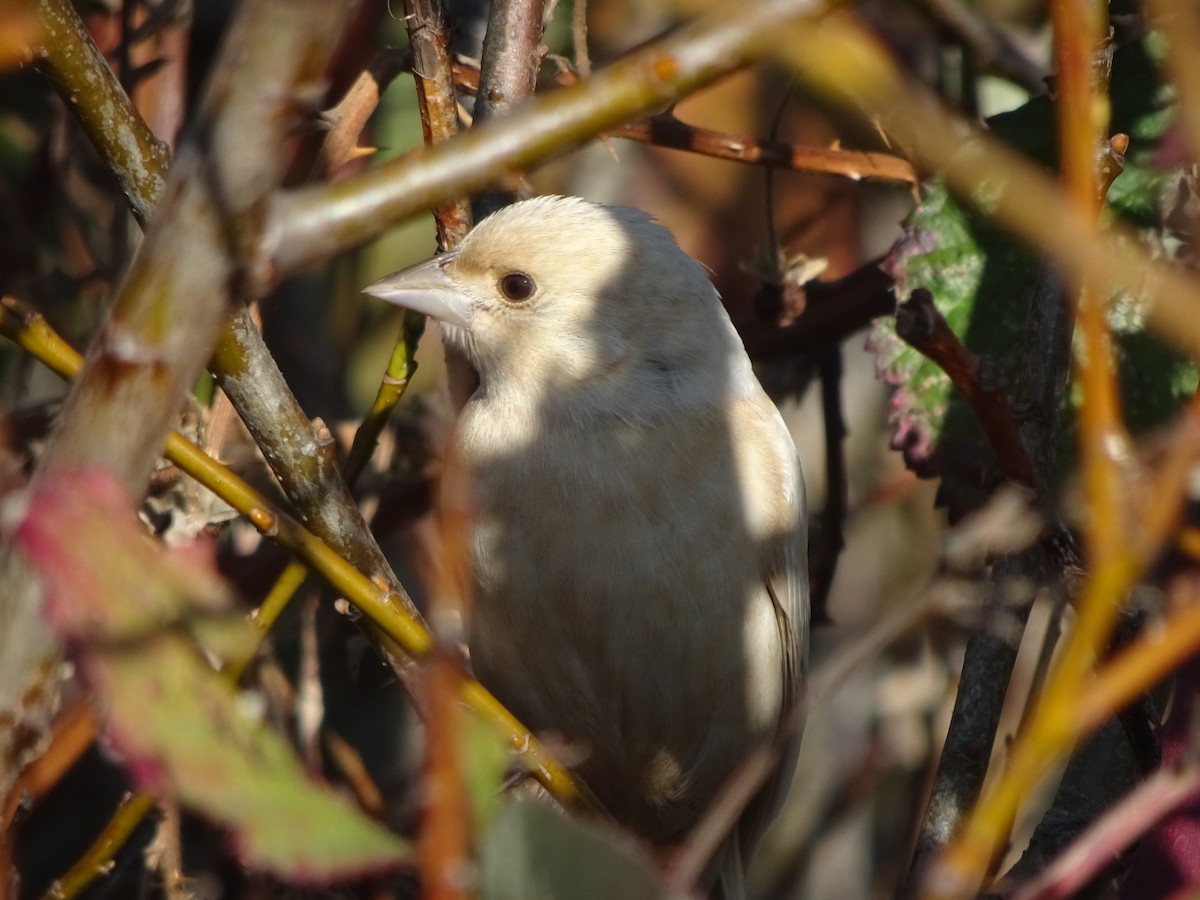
588 303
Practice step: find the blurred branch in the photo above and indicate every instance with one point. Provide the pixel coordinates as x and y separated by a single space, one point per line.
245 367
311 224
991 49
839 59
1119 828
989 659
86 83
196 261
1181 30
1043 739
179 288
70 737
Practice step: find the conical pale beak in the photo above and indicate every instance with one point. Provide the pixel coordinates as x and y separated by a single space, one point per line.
426 288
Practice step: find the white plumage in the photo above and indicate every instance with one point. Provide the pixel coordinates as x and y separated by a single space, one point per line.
639 574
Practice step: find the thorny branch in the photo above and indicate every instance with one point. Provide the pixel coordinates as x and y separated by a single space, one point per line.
665 130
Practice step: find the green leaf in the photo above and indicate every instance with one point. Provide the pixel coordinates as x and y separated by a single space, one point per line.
982 281
128 611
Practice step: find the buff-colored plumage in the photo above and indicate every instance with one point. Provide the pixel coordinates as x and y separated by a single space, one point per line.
639 568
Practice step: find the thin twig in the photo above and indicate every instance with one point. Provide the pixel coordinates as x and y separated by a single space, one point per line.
920 324
833 516
667 131
433 74
347 118
507 73
579 38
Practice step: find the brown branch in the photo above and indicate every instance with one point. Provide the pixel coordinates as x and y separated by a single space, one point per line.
667 131
831 312
920 324
190 270
433 72
507 73
991 49
579 41
349 116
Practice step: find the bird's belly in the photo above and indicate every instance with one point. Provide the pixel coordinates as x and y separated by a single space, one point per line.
626 638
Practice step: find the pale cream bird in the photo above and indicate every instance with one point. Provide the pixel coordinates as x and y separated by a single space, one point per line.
638 550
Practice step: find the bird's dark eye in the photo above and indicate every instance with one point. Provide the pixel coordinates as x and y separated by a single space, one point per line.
516 286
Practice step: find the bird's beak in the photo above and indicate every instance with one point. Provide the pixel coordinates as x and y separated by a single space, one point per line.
426 288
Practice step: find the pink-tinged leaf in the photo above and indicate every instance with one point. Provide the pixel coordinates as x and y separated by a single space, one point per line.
129 613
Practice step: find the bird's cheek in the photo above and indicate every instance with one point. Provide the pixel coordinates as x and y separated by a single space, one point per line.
458 336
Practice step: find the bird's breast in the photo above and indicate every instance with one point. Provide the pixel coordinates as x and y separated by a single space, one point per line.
619 600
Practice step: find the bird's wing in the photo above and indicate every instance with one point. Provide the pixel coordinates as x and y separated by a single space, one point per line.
788 590
787 585
784 572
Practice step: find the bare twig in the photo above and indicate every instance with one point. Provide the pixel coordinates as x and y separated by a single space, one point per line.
507 74
667 131
579 38
433 72
349 116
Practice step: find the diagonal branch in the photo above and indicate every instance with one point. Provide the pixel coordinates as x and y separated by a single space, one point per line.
311 224
82 77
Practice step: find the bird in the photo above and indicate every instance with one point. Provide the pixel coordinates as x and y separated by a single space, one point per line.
637 552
